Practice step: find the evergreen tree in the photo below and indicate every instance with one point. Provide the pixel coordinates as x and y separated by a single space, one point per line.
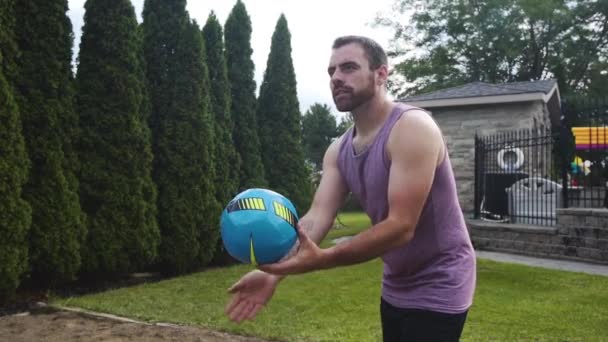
345 123
318 131
243 102
149 188
116 188
182 131
44 96
70 131
280 122
227 159
15 213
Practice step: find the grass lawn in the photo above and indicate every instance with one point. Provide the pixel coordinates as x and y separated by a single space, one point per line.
512 302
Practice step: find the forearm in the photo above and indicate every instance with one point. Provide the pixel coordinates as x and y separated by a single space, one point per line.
369 244
315 227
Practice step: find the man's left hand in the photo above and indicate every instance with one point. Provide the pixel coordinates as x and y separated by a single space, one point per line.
308 258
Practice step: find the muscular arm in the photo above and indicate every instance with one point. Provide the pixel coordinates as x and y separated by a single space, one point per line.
415 147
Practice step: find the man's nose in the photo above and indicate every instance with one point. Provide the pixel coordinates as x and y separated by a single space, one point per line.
336 79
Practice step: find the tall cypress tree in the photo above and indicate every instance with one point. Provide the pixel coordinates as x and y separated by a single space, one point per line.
280 122
243 102
44 96
15 213
182 130
116 188
69 123
227 160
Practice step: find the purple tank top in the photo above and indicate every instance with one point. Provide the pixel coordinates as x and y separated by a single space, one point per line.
436 269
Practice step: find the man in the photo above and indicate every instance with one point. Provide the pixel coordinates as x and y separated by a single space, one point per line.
395 162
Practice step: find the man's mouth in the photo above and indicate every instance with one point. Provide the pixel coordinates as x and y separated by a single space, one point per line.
341 91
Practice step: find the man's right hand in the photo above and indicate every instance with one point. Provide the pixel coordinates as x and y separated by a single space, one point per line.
250 294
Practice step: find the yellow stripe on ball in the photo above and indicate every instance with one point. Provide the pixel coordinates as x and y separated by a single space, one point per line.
252 252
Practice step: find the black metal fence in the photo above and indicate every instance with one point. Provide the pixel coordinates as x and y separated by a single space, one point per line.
524 176
517 177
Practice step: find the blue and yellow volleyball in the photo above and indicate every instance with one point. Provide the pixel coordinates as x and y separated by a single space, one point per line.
258 226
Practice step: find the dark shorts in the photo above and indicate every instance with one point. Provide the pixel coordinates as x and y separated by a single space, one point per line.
419 325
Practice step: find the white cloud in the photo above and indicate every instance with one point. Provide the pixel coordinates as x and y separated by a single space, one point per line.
313 24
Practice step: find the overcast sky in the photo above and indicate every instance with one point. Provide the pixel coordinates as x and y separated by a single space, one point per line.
313 25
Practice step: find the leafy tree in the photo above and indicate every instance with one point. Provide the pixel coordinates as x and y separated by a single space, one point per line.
318 131
454 42
15 213
116 188
44 93
182 131
280 122
243 101
598 80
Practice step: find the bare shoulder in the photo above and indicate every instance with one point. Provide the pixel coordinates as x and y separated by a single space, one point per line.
334 148
416 132
412 121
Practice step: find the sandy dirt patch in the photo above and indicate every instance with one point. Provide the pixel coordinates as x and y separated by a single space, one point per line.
69 326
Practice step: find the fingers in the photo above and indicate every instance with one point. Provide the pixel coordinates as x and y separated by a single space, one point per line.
300 231
238 286
244 310
237 310
236 299
302 236
254 311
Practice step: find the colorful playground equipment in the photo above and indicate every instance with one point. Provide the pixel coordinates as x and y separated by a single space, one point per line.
580 166
590 137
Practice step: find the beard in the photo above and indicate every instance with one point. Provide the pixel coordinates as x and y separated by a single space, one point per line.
347 99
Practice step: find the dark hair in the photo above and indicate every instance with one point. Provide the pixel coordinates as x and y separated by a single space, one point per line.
373 51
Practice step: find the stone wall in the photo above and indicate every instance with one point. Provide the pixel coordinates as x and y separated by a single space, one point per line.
459 125
580 235
584 232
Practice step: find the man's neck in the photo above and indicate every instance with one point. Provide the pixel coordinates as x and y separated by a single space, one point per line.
371 115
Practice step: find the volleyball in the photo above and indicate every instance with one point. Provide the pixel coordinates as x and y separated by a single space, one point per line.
258 226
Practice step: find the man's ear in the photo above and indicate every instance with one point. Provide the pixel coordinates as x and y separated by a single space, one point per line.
382 74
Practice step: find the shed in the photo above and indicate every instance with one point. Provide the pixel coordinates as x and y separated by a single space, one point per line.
486 108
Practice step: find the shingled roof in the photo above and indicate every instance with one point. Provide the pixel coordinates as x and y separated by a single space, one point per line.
479 89
481 93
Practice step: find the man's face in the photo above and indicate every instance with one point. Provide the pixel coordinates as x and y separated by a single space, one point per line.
352 82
